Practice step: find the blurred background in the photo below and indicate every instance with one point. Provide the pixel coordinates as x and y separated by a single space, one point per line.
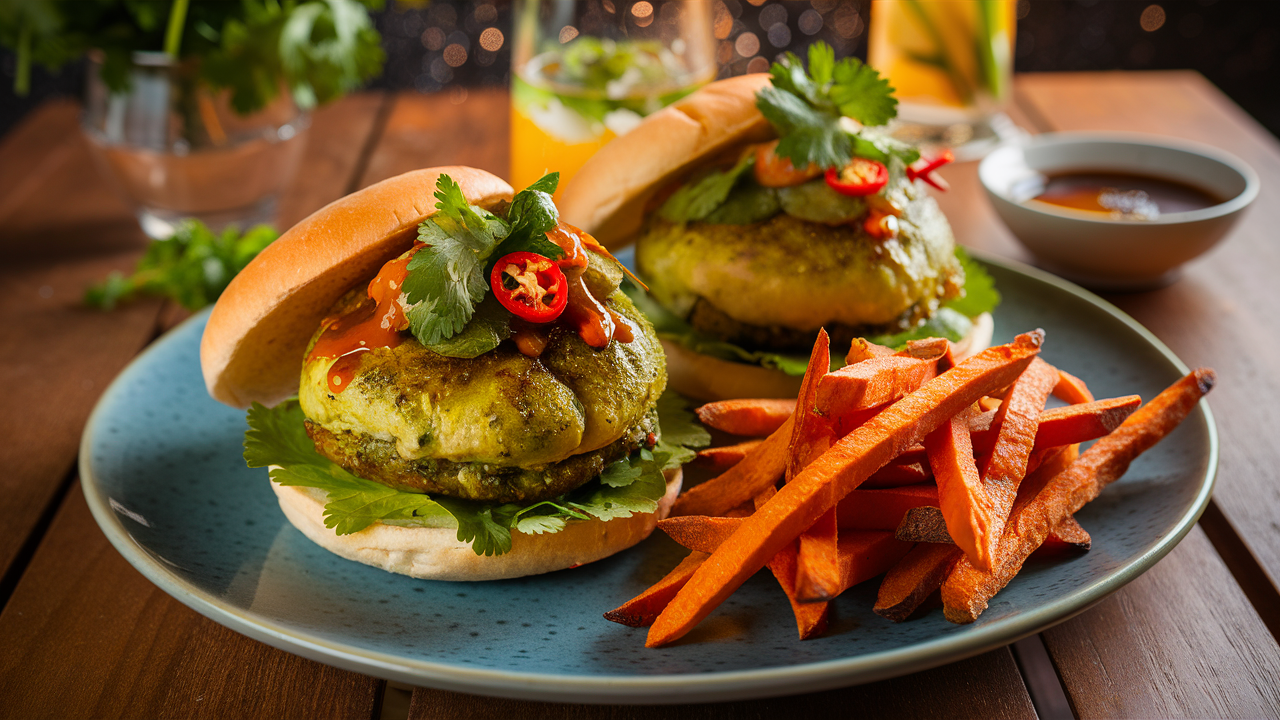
452 45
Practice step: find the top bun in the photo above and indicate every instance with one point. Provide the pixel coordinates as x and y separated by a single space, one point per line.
254 343
607 197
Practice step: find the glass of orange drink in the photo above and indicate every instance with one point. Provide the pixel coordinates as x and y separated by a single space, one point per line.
587 71
951 64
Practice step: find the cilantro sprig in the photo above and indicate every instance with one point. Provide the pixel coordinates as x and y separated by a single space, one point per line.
806 108
277 438
448 278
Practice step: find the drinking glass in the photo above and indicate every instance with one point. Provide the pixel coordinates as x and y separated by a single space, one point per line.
177 149
951 63
587 71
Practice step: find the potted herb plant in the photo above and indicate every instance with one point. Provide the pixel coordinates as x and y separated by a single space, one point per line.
198 108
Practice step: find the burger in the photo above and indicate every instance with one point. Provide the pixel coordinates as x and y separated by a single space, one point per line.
768 206
445 382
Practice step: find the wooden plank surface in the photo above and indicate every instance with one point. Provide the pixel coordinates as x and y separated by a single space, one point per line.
443 129
1156 650
1220 312
987 686
85 635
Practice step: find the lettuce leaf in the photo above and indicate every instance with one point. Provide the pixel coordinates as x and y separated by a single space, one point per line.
277 438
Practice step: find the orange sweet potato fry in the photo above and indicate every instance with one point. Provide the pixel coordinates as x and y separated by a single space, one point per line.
968 510
817 569
895 475
914 578
841 469
1069 424
811 618
760 469
871 383
1067 535
1015 424
1071 389
882 509
641 610
725 456
968 589
756 417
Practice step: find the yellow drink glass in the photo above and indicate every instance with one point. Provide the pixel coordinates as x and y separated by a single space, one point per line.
950 61
582 75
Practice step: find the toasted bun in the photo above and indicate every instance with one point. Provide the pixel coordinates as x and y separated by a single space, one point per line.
436 553
607 197
703 377
253 345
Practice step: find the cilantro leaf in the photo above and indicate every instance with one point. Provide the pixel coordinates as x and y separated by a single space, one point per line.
446 279
860 93
822 63
980 294
531 215
678 423
946 323
809 136
488 327
620 474
486 528
697 200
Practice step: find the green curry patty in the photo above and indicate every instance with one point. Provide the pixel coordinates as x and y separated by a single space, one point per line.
773 283
499 427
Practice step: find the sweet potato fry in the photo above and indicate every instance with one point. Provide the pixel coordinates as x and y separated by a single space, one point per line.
1015 424
861 350
1067 535
1069 424
811 618
817 571
896 475
967 508
760 469
725 456
871 383
882 509
699 532
841 469
926 349
914 578
924 524
746 417
641 610
968 589
1071 389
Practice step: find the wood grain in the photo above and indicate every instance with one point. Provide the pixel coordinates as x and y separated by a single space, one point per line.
467 128
85 635
1217 314
1180 641
987 686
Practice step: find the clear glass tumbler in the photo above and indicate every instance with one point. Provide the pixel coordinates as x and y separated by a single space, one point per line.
951 63
587 71
177 149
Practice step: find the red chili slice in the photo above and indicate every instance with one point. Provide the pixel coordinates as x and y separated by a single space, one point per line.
860 177
923 169
530 285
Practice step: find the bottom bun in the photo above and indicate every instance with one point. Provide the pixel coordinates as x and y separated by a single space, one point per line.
436 553
703 377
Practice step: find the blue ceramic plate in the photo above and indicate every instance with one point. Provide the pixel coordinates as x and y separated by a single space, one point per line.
162 470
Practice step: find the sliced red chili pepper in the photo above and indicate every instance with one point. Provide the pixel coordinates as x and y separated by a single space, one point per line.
860 177
923 169
530 285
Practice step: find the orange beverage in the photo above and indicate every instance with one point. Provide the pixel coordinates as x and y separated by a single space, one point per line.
950 61
572 93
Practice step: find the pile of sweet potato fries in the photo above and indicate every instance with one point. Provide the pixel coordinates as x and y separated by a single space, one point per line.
906 464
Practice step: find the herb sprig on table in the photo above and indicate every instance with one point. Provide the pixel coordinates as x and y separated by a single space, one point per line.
192 268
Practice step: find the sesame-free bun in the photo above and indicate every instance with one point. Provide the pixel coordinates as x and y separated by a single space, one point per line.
253 345
436 553
704 377
607 197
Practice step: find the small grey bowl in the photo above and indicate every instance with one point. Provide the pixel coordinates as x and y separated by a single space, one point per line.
1114 254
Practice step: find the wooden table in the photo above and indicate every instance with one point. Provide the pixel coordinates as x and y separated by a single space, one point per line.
83 634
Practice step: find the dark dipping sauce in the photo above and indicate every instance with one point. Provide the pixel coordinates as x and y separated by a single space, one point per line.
1122 196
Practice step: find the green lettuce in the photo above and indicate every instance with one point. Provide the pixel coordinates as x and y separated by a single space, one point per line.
277 438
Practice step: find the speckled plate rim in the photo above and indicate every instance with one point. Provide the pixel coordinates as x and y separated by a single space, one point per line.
665 689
